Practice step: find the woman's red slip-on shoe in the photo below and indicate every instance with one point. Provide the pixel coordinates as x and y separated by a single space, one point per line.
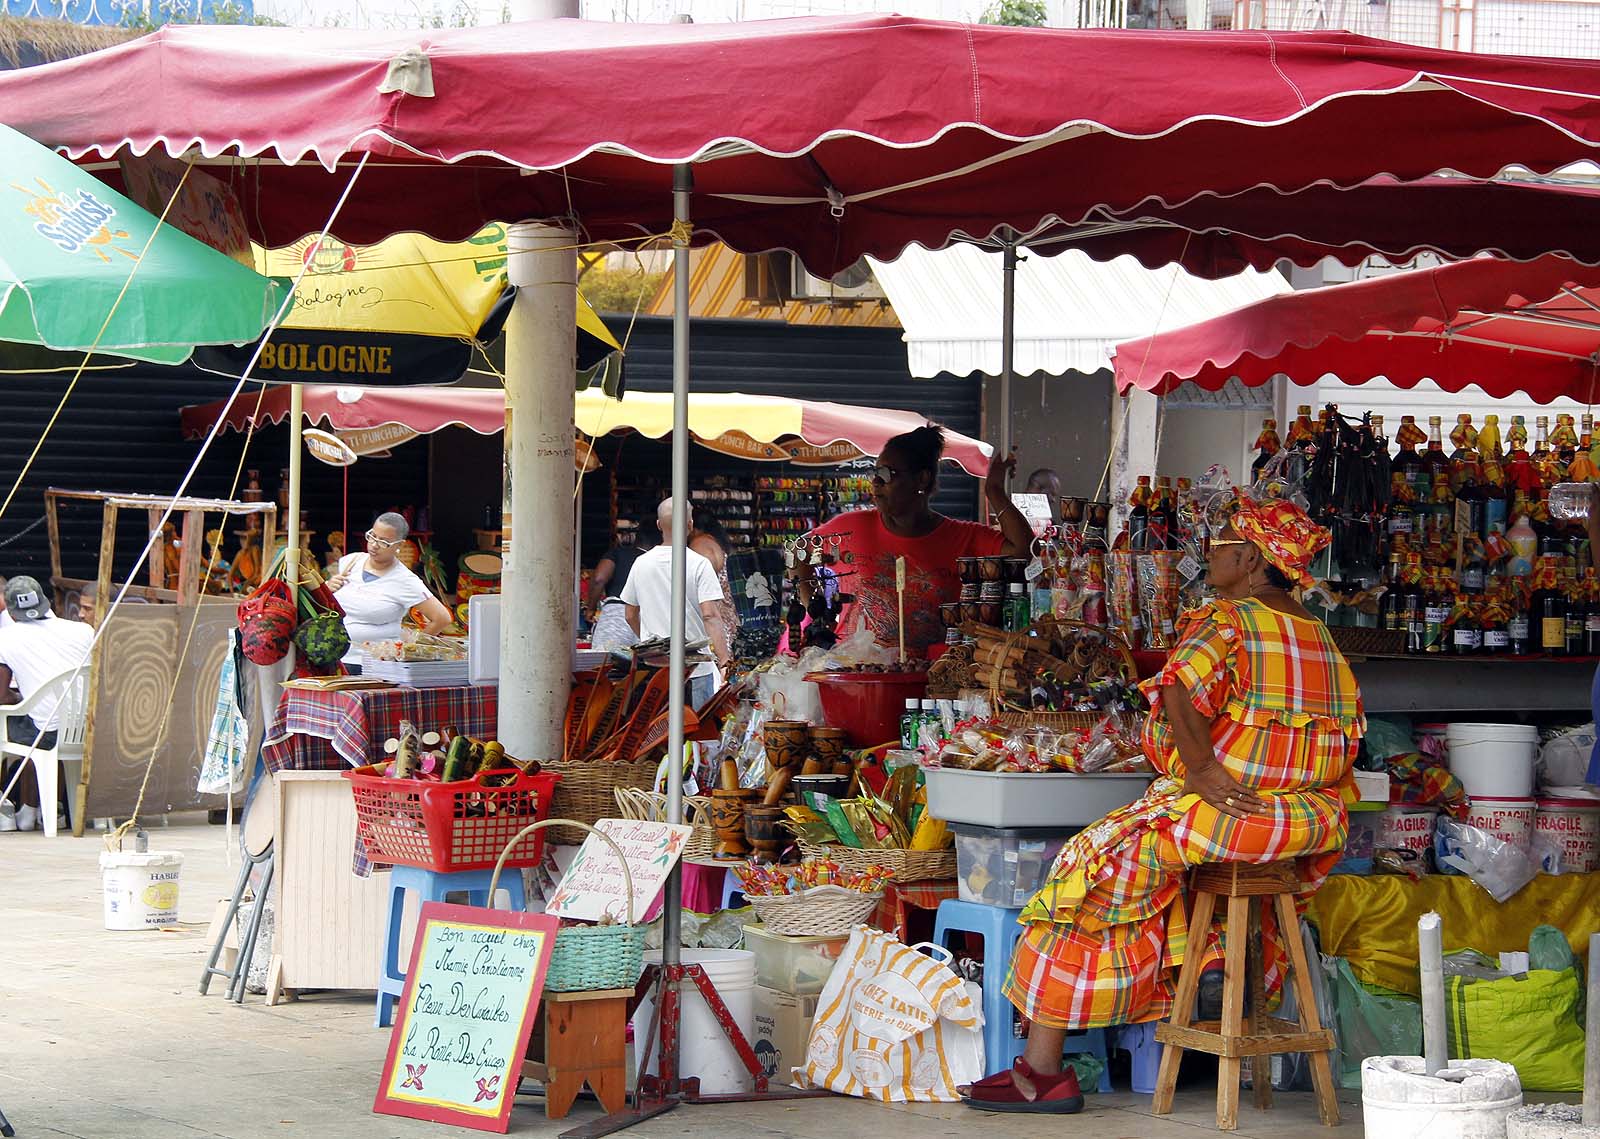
1051 1095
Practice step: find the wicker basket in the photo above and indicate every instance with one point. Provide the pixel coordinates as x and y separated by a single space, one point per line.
907 865
587 792
651 807
822 911
1016 716
587 958
1355 641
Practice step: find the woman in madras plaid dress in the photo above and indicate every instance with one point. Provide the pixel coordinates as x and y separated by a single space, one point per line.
1254 724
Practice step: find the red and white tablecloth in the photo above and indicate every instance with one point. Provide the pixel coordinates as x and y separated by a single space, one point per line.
330 731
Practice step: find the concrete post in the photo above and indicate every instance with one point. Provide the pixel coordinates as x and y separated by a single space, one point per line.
1133 450
536 628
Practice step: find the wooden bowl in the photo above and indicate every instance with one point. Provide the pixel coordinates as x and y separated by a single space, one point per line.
727 816
763 829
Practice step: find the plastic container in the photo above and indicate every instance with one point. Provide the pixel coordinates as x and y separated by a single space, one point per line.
1026 798
140 888
447 827
1399 1102
799 966
704 1049
1574 826
867 705
1361 840
1509 820
1494 761
1005 866
1405 826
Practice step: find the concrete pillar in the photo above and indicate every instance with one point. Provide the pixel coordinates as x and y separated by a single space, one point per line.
537 622
1134 418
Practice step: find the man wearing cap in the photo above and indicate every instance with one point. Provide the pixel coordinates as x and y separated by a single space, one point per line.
35 647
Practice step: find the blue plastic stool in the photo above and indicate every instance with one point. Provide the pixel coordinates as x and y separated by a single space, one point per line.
429 886
1000 932
1139 1042
731 889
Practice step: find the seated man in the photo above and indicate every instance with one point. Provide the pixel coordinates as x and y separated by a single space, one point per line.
35 647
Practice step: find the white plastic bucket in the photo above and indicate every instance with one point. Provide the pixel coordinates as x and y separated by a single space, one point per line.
140 889
1399 1102
703 1048
1574 826
1494 761
1509 820
1403 826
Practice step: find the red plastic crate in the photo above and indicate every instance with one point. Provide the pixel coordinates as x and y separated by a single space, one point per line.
445 827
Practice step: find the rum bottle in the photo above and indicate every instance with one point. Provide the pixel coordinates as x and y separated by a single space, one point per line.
1548 608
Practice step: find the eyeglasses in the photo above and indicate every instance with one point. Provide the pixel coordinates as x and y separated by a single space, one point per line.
1215 542
885 474
382 543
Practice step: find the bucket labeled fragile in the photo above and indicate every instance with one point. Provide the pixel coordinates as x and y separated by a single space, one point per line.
140 888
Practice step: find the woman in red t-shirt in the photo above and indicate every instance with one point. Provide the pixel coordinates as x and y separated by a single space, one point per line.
902 523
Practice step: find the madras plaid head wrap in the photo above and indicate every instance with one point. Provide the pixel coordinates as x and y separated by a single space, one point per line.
1283 532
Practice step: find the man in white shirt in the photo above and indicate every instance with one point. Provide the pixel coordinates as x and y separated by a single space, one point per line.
35 647
647 601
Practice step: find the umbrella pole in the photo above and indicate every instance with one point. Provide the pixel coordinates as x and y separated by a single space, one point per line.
1008 341
291 531
682 185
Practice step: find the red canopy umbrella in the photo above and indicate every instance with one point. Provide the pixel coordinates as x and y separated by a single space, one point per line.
1507 327
904 130
1216 235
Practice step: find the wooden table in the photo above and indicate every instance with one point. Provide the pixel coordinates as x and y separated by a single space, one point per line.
582 1038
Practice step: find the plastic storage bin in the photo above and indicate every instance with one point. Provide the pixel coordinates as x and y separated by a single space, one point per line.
1026 798
799 966
1005 866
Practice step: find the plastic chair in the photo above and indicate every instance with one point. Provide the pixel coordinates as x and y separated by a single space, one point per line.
1144 1052
71 689
429 886
999 929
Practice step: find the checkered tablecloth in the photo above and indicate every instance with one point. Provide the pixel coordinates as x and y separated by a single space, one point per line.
333 731
329 731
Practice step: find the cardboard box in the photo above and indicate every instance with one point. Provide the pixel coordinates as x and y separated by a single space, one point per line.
783 1028
1373 786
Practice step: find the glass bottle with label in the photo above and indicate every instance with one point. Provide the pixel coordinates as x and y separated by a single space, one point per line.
1267 444
1466 632
1495 506
1548 608
1591 616
1411 605
1402 521
1523 539
1496 634
1436 613
1139 503
1577 614
1434 461
1408 464
1391 614
1474 568
1519 625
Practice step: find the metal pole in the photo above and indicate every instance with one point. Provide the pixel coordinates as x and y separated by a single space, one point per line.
1008 341
682 185
1430 953
1591 1045
297 413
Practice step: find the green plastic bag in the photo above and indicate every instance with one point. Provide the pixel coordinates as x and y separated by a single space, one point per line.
1371 1021
1529 1021
1089 1068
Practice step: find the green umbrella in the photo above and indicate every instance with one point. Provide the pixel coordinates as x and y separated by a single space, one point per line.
67 245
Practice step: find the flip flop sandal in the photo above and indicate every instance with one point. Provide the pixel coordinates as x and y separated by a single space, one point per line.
1056 1095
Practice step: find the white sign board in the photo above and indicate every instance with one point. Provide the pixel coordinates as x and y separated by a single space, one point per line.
593 886
1037 509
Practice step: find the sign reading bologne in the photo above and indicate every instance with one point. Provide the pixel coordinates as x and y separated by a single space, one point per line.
346 359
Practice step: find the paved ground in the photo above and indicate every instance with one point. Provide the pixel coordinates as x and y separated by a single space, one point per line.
103 1036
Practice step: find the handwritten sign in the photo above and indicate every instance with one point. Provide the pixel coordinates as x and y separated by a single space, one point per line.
1036 508
463 1022
593 886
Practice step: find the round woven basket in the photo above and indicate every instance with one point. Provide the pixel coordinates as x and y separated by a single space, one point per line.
588 958
651 807
907 865
587 792
822 911
1015 716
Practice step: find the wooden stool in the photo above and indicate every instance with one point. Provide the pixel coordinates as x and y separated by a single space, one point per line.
583 1038
1247 887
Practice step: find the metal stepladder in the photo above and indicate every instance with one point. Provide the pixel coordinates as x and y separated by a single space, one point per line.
258 853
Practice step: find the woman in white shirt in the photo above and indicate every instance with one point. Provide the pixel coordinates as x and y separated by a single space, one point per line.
376 591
